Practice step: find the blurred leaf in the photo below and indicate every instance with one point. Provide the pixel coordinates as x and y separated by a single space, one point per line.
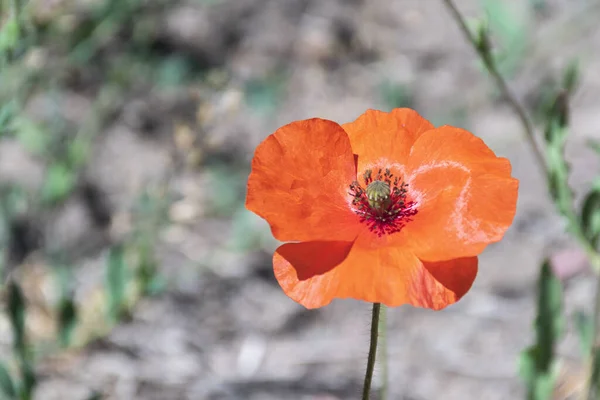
78 150
146 204
558 114
13 200
227 189
550 321
537 364
527 365
571 77
539 5
67 320
264 96
557 181
590 214
509 23
125 69
29 381
16 312
95 396
594 145
544 385
481 33
540 384
173 71
552 98
556 135
594 389
248 230
116 279
501 18
558 169
7 386
67 309
59 183
455 116
147 272
151 211
31 135
396 95
585 330
7 113
544 101
90 37
9 35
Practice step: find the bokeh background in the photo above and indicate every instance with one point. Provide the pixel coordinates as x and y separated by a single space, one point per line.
126 133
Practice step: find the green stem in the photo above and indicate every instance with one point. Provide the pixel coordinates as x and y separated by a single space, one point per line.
490 65
383 356
372 351
591 389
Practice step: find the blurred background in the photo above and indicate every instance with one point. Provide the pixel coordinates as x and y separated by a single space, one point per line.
126 133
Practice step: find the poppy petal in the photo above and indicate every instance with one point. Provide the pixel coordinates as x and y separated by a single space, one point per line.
300 181
380 138
314 273
466 198
444 282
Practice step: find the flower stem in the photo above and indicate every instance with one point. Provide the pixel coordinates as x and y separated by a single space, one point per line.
383 359
490 65
372 351
591 386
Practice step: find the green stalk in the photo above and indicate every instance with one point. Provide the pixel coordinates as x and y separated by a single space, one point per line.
383 356
372 351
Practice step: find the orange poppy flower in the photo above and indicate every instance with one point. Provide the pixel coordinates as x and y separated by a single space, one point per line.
385 209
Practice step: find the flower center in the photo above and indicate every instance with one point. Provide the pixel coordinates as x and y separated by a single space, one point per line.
382 205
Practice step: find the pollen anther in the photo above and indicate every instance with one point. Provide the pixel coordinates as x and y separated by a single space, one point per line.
382 205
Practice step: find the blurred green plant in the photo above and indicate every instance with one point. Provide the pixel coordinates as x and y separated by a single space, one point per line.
151 214
59 183
117 279
264 95
147 273
30 134
67 308
14 202
23 386
455 116
228 185
538 5
509 24
396 95
537 365
8 112
7 386
102 25
95 396
65 148
10 30
244 221
585 331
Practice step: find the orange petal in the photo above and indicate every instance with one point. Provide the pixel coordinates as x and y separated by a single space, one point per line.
380 138
465 195
300 182
444 282
314 273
